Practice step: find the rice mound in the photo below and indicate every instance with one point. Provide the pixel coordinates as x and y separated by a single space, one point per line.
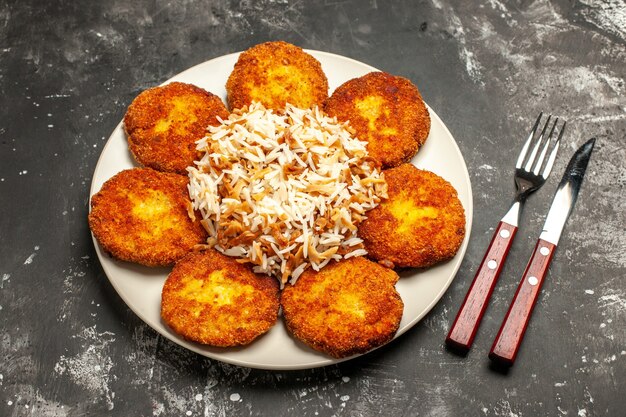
284 190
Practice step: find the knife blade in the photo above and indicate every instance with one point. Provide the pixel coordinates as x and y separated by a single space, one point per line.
509 337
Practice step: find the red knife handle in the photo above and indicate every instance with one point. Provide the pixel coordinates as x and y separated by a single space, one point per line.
509 338
468 318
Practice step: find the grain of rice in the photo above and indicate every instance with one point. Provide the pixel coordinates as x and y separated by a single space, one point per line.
284 191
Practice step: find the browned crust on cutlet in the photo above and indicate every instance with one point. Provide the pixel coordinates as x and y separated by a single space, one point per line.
142 215
212 299
421 223
274 74
348 307
164 123
385 110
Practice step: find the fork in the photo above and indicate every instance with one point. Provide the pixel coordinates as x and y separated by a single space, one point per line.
529 177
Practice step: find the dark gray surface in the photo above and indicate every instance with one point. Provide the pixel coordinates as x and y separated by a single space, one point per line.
69 346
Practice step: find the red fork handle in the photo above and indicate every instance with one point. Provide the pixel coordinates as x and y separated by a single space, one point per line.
507 342
468 318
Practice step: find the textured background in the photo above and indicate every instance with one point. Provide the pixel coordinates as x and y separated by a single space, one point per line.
69 346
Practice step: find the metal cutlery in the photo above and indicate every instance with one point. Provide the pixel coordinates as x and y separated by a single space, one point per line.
530 174
511 333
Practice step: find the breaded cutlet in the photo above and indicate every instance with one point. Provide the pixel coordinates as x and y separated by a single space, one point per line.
274 74
346 308
142 215
386 111
212 299
164 123
421 223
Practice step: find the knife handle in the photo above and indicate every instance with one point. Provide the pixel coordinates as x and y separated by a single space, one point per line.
465 325
509 338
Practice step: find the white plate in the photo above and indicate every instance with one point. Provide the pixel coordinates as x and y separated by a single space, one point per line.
140 287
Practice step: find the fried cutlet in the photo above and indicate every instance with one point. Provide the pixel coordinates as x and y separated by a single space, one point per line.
420 224
143 216
346 308
212 299
163 124
386 111
276 73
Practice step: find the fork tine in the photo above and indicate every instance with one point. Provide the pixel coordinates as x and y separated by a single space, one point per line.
552 157
542 155
531 158
522 154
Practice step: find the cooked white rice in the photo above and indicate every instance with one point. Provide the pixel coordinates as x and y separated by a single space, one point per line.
284 191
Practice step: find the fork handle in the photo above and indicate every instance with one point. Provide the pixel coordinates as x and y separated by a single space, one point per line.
509 338
467 321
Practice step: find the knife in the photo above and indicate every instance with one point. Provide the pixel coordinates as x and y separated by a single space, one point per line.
509 338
